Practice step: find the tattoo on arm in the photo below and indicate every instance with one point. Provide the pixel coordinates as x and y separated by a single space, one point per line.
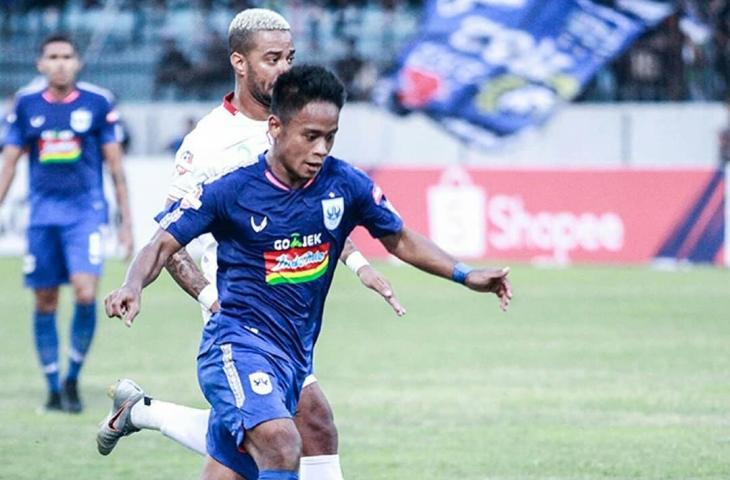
185 272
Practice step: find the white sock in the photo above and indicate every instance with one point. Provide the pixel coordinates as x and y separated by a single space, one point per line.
320 467
187 426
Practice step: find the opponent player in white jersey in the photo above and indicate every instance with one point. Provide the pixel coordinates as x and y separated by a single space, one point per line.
231 135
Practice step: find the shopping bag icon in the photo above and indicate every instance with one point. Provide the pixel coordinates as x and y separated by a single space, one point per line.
456 214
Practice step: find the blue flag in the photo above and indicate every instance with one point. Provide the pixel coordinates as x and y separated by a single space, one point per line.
487 69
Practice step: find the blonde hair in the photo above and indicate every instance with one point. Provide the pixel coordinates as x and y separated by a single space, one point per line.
252 20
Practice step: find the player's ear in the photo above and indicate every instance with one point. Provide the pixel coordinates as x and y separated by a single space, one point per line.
274 128
238 62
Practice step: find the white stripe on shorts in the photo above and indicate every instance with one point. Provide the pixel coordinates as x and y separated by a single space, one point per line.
234 381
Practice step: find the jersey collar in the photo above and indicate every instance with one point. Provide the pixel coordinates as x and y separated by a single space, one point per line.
68 99
278 183
228 105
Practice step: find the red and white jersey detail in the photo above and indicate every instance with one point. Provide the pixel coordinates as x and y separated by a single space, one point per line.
222 140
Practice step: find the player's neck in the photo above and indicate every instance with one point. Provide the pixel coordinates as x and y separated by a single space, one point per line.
245 103
281 174
59 93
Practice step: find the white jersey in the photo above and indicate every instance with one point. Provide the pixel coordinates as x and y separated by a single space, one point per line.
222 140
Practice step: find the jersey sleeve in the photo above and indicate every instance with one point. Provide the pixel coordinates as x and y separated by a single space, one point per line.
374 211
14 132
110 130
189 170
193 215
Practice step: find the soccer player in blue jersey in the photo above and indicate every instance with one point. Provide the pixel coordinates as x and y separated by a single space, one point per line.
273 280
69 132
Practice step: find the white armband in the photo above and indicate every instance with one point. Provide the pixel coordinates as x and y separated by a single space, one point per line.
208 296
356 261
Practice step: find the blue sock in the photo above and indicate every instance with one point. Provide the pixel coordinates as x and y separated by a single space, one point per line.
278 475
82 332
46 345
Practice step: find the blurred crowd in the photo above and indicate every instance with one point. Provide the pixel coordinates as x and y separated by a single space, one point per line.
686 59
180 46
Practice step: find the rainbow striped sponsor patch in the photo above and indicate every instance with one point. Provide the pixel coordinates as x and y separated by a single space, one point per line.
59 151
296 265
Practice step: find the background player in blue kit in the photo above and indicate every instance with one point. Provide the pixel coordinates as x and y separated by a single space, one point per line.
281 222
68 131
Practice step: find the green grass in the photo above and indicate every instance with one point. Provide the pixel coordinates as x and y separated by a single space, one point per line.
595 373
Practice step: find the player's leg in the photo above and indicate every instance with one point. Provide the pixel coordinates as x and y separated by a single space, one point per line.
276 447
315 422
254 397
133 411
83 253
45 270
46 342
214 470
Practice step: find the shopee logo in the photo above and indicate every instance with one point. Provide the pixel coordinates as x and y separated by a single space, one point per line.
512 227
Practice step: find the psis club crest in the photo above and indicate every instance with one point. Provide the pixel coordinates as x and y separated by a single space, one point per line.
332 210
81 120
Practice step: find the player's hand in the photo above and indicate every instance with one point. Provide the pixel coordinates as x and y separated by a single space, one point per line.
126 241
123 303
493 281
372 279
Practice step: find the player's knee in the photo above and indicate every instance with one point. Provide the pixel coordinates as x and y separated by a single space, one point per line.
288 452
84 293
279 446
46 300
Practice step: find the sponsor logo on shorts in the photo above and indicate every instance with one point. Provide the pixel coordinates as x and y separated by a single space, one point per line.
260 383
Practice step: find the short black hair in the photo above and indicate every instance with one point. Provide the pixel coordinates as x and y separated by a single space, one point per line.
57 37
302 85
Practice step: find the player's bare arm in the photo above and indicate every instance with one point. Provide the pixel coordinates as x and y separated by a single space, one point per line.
11 155
422 253
186 273
124 303
370 277
113 157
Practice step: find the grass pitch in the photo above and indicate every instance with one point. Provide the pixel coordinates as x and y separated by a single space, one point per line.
595 373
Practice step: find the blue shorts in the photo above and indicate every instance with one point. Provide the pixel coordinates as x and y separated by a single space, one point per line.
245 387
57 251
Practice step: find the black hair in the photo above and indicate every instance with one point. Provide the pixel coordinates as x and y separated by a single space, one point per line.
57 37
302 85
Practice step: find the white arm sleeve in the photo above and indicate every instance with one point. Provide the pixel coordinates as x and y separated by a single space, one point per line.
190 168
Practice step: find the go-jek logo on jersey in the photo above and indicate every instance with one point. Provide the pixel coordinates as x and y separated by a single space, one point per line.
299 259
59 147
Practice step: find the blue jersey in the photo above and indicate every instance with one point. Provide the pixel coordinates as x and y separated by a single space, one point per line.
278 249
64 140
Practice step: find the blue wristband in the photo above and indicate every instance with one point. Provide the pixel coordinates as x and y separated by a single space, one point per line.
461 270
